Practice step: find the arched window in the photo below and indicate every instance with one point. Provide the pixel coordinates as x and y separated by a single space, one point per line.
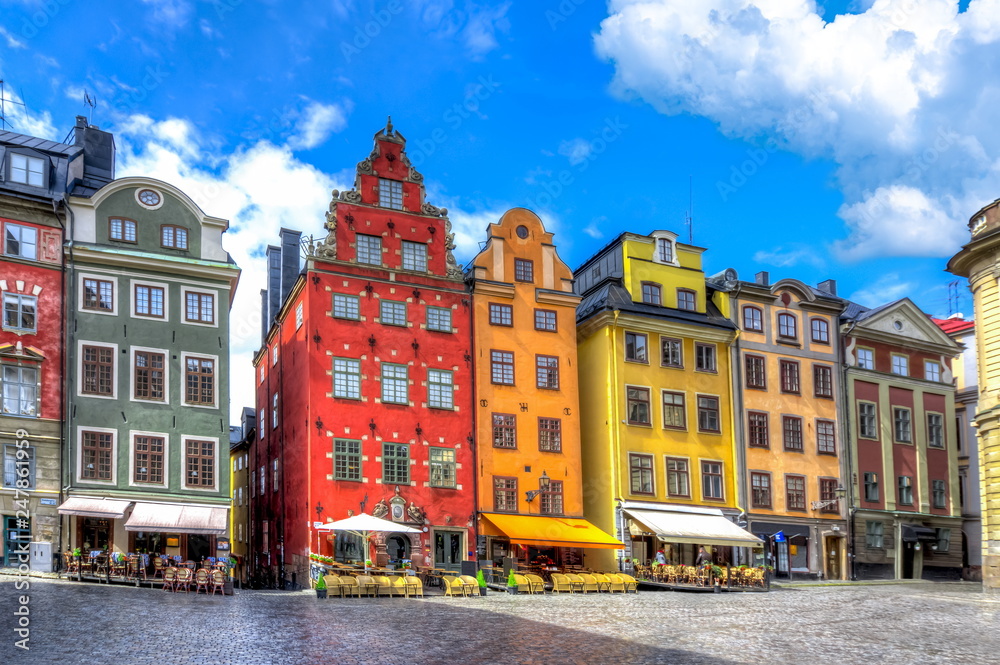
820 331
787 326
753 318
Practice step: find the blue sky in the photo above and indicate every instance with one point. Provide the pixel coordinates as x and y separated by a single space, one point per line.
851 140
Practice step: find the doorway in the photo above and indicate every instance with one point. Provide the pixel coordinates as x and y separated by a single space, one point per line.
199 547
15 533
909 554
448 550
397 547
95 534
833 558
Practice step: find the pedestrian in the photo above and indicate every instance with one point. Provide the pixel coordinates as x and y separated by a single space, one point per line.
660 557
703 556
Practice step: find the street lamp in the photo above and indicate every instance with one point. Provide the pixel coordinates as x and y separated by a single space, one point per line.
543 486
840 493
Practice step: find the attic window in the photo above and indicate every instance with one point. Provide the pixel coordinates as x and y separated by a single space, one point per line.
390 193
27 170
665 250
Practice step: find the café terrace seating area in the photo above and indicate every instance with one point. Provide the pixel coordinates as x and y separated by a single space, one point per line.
704 576
171 573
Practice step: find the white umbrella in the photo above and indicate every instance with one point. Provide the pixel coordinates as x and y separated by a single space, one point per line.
364 525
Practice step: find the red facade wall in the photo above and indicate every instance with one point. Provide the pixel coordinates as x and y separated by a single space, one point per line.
937 458
904 455
869 451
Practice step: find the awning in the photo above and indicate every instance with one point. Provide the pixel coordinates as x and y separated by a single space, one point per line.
771 528
173 518
545 531
704 527
914 533
82 507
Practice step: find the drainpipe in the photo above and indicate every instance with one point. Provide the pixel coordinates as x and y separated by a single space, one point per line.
615 438
736 389
848 445
473 452
68 294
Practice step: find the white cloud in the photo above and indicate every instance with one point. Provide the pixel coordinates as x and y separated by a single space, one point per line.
899 96
888 288
12 41
476 27
786 257
174 13
577 150
22 120
316 123
594 228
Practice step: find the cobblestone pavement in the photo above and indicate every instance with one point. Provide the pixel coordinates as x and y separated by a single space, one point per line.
79 623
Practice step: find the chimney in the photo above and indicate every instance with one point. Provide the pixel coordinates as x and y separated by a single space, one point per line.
273 284
290 251
249 421
98 151
264 325
829 286
763 278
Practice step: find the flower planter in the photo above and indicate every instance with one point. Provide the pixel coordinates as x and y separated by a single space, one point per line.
320 593
512 590
482 591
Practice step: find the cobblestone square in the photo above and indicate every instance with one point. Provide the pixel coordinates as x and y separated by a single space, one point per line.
79 623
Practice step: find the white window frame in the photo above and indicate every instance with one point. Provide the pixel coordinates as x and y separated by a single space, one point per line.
385 379
131 458
115 293
274 412
20 240
183 462
32 458
166 374
36 406
366 237
299 316
28 172
115 351
900 364
201 291
866 358
20 298
190 354
133 284
417 255
932 370
79 455
446 389
357 363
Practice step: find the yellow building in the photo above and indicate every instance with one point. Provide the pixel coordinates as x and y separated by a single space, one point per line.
530 491
789 383
656 411
239 483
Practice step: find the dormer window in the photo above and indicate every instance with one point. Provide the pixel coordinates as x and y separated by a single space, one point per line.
665 250
390 193
686 299
27 170
20 241
174 237
121 229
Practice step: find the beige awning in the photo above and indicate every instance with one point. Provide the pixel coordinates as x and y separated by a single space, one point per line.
174 518
83 507
694 526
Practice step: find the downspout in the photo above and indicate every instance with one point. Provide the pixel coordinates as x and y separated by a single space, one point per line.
849 442
280 456
614 431
66 340
736 389
474 434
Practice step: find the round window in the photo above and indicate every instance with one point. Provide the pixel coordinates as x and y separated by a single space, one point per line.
898 325
522 232
149 197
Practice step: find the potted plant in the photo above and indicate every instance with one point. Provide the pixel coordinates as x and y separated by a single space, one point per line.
511 583
481 580
320 587
368 564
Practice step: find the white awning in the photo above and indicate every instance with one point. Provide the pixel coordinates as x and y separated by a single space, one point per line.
694 526
84 507
174 518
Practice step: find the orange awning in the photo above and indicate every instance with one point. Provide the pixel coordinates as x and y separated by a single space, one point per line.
547 531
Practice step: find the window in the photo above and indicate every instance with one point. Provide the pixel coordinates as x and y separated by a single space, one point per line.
524 270
439 319
174 237
943 539
199 381
635 347
545 320
666 248
261 423
547 372
98 294
708 414
19 465
20 241
757 434
502 367
932 370
638 405
20 391
299 316
199 463
149 300
820 331
369 249
395 463
501 315
789 376
651 293
871 487
121 229
274 412
900 365
504 430
686 299
27 170
347 378
828 495
704 357
390 193
414 256
678 477
753 319
552 499
641 473
199 307
756 370
938 494
795 492
147 452
346 459
901 422
874 535
504 494
935 430
392 313
19 312
96 458
866 360
711 480
395 384
346 307
442 462
440 389
905 491
760 490
148 376
791 427
826 438
867 423
671 354
98 370
550 435
263 481
148 198
787 326
822 381
673 410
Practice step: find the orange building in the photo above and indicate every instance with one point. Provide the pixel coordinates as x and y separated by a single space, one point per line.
530 488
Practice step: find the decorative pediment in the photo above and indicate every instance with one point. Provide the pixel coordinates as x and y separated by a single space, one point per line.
18 350
903 320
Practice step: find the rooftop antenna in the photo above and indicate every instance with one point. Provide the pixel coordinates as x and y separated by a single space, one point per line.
92 103
4 123
689 217
953 297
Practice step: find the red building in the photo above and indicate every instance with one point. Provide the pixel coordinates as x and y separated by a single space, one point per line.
364 393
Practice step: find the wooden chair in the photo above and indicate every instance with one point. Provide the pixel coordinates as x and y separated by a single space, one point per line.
589 583
218 581
367 585
158 567
184 577
201 580
536 584
136 568
71 563
117 564
454 586
413 586
631 584
616 582
170 579
349 586
560 583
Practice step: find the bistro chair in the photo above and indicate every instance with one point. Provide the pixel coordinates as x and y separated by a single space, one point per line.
589 583
603 581
71 563
170 579
349 586
158 567
201 580
184 576
577 582
218 582
631 584
333 585
367 585
471 582
616 583
535 584
560 583
413 586
454 586
136 569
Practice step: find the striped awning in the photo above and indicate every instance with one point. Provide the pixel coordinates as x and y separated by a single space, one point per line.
176 518
701 527
87 507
